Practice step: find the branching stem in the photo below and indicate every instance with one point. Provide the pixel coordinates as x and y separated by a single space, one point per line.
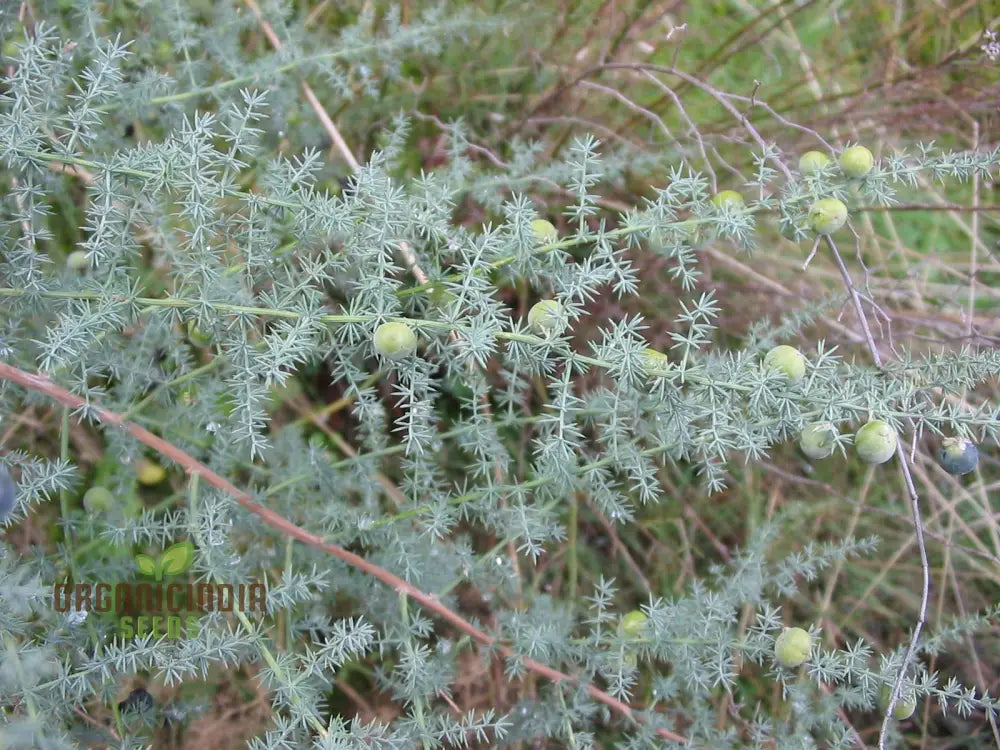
288 529
914 507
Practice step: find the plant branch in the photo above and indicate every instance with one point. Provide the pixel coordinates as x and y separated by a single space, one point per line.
288 529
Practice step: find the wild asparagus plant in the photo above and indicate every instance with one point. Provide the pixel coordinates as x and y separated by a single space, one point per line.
220 266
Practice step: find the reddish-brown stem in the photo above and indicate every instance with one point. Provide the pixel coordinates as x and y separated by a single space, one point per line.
289 529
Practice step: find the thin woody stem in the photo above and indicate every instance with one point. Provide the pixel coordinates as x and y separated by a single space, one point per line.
855 299
914 507
405 251
314 102
288 529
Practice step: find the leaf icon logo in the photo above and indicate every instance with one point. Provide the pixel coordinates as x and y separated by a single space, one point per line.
175 559
146 565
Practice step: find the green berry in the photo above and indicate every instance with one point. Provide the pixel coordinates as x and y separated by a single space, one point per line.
547 317
197 336
97 499
788 360
439 296
164 51
688 231
827 215
875 442
544 231
150 472
818 440
958 455
857 161
633 624
812 162
77 261
905 706
655 362
792 647
727 199
395 340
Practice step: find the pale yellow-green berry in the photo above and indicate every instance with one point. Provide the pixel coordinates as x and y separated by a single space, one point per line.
875 442
77 261
727 199
164 51
395 340
812 162
788 360
857 161
827 215
655 362
97 499
818 440
544 231
633 624
149 472
547 317
792 647
905 706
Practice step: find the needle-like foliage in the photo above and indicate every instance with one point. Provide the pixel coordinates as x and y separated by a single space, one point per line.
227 266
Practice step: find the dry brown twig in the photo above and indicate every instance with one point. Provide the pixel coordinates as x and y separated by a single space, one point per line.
405 251
288 529
285 527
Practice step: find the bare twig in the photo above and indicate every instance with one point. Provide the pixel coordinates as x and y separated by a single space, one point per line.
914 507
691 126
324 118
653 117
973 258
713 92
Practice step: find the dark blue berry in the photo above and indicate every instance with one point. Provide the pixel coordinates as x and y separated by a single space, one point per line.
958 455
7 494
138 701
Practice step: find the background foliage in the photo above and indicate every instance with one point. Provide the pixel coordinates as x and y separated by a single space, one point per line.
255 189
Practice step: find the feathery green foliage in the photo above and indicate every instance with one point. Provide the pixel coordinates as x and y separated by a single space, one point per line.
230 264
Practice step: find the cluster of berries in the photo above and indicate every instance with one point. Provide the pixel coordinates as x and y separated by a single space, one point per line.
396 340
826 215
876 441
